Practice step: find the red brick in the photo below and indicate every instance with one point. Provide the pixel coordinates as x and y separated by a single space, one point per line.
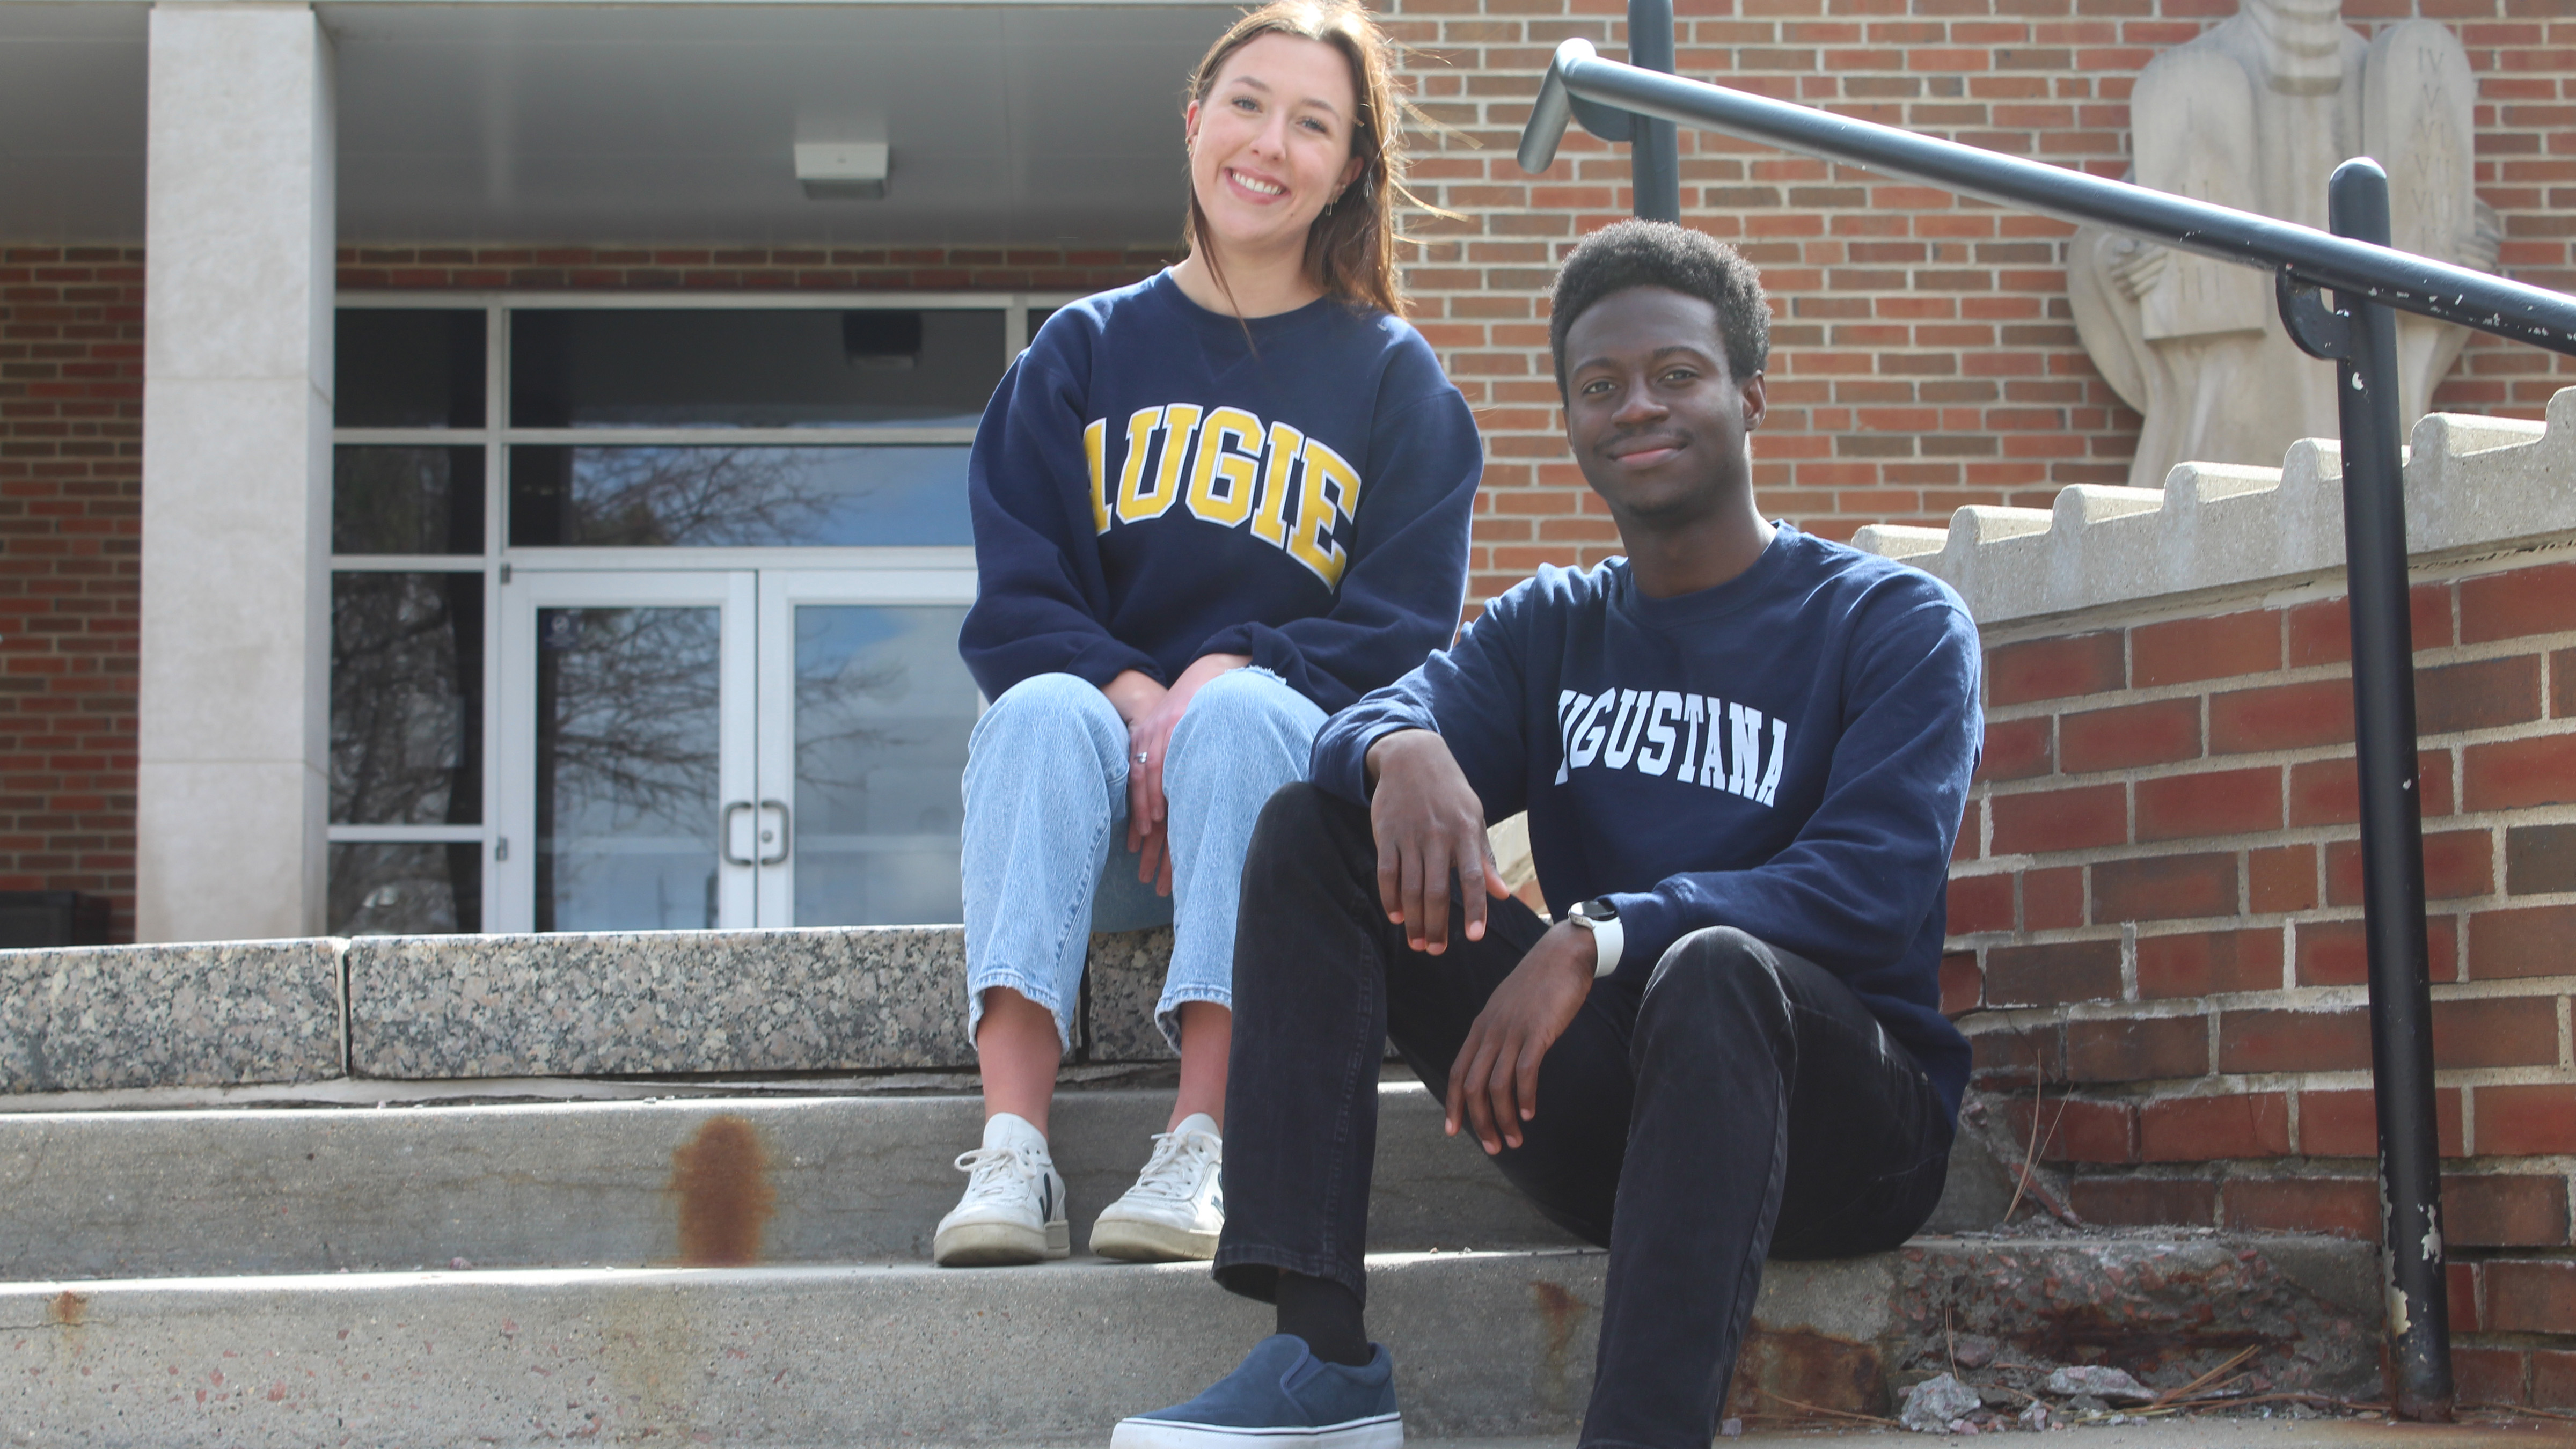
2327 792
2462 1281
2281 878
2052 974
2189 649
2553 1378
2212 802
2071 1131
2209 962
2055 668
2145 1201
2525 601
1980 903
2562 683
2344 1206
2017 749
2457 863
2281 717
2486 1375
2137 1049
2525 941
2164 887
2496 1031
2539 859
2294 1041
2207 1129
2052 900
2531 1297
2526 1121
2321 633
2481 694
2050 820
2513 773
2129 735
1962 984
2337 953
2504 1210
2346 1123
2016 1057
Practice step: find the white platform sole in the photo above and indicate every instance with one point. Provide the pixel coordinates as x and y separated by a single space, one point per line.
1136 1241
995 1245
1382 1432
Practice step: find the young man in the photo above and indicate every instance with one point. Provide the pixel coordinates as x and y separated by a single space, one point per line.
1744 752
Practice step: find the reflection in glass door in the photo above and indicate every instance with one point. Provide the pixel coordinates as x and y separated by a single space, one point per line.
864 713
628 709
731 747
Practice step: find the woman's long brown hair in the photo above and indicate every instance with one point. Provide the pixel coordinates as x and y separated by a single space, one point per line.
1350 249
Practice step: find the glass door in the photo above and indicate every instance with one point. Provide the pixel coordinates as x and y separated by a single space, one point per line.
864 713
628 706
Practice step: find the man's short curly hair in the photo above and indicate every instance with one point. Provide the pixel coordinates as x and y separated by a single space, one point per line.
1662 254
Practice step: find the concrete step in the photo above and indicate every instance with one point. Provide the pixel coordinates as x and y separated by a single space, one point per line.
1487 1343
851 1179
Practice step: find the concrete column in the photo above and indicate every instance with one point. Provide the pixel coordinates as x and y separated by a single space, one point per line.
232 779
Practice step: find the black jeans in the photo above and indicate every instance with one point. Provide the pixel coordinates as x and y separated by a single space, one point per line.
1744 1104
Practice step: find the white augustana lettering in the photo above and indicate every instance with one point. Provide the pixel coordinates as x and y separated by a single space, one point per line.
1229 468
1718 744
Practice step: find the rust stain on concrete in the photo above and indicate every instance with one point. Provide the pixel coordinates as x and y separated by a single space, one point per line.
721 1178
1562 1313
66 1308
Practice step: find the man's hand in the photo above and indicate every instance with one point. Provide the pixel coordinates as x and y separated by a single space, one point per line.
1429 827
1493 1086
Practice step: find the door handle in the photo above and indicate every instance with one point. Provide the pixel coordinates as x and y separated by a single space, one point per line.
724 833
786 834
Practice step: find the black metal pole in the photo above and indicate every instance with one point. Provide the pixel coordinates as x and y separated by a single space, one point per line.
2392 819
1654 146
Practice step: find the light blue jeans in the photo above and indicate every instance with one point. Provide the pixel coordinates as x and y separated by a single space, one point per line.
1045 854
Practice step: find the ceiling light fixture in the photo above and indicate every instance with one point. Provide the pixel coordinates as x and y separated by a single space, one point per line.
842 170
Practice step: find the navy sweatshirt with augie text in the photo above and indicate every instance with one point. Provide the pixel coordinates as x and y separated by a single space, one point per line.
1153 482
1787 753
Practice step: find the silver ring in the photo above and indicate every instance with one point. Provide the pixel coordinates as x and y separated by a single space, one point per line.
1143 758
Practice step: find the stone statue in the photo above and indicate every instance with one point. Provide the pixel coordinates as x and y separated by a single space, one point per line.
2255 114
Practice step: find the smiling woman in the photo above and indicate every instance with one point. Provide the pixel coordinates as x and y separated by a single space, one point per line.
1277 481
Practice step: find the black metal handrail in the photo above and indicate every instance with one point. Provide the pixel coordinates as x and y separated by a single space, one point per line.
2382 274
2358 333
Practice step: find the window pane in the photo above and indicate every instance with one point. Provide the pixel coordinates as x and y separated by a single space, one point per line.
409 369
702 497
815 368
883 708
628 725
406 500
407 890
407 699
1037 319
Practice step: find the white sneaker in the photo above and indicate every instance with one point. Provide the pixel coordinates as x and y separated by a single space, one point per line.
1013 1211
1177 1208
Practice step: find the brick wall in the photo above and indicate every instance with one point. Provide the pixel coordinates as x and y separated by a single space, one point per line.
2157 940
71 470
1924 355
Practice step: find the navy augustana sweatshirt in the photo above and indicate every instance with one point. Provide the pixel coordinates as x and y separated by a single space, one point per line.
1154 482
1787 753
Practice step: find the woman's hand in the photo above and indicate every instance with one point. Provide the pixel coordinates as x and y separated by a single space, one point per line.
1149 736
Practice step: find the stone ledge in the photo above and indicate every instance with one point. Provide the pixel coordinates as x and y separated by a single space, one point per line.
2472 483
448 1007
94 1018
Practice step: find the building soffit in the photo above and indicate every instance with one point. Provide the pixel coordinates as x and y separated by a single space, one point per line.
660 123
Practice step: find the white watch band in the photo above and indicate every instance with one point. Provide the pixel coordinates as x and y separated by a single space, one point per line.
1607 938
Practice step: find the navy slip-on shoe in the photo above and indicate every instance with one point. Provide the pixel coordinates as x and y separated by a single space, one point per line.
1280 1397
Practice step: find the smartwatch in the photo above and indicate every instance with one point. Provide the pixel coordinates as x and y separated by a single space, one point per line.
1601 918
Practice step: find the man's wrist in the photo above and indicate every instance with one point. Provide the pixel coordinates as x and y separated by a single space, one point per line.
1599 919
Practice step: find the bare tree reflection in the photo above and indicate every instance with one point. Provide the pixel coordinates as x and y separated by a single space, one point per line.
406 746
701 497
628 721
